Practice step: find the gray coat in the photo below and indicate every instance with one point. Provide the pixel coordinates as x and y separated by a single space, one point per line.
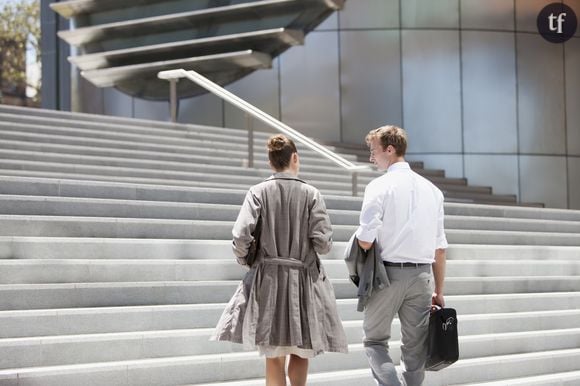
285 299
366 270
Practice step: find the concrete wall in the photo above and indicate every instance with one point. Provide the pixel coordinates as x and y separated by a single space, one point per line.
480 92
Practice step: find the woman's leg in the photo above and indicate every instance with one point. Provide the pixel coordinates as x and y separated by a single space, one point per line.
297 370
276 371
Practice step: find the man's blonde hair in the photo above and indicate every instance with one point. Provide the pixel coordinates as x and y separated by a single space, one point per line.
390 135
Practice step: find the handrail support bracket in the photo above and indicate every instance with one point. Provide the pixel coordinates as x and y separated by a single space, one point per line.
250 129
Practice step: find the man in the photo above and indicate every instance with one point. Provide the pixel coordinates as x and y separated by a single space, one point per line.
402 213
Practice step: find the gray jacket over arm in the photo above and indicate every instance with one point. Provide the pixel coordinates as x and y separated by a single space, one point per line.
366 270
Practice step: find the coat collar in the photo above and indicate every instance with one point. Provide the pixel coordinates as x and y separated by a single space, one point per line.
283 176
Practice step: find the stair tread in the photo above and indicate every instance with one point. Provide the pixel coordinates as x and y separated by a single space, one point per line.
540 380
202 359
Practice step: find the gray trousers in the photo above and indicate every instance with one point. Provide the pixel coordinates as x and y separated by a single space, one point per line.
409 296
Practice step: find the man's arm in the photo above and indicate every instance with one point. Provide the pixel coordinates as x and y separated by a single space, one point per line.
371 217
439 275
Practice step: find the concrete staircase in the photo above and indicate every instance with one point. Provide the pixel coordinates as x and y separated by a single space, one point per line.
115 262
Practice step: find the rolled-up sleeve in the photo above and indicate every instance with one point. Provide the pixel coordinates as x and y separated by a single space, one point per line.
441 242
371 215
319 227
245 224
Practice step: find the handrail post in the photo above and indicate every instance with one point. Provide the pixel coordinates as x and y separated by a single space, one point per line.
354 183
250 129
173 107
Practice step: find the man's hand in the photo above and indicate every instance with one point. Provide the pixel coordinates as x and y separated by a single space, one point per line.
438 300
439 276
365 245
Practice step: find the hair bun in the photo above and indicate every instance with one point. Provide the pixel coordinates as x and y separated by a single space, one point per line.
277 142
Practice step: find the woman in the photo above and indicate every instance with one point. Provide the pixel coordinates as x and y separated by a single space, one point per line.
285 306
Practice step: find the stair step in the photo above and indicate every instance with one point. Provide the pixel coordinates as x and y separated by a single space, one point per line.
511 252
109 174
512 212
329 178
359 377
311 166
190 136
129 191
87 207
200 155
569 378
363 377
70 226
456 236
218 367
39 248
107 294
118 190
505 313
510 224
111 124
62 350
112 248
46 271
73 226
506 366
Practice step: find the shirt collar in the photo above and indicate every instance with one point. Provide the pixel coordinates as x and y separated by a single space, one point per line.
399 166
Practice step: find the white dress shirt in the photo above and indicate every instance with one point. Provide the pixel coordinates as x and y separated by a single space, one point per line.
403 212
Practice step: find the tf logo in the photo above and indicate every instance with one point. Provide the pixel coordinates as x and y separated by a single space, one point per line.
557 23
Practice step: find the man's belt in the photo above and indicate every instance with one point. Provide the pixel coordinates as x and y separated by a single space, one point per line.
404 265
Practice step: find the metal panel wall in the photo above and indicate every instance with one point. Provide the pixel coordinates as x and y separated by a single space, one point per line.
264 97
574 182
575 5
527 13
543 179
432 90
365 14
329 24
310 87
451 163
540 95
117 103
144 109
370 91
92 97
206 109
498 171
430 14
489 92
488 14
572 54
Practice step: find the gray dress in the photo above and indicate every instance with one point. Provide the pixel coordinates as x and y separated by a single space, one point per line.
285 303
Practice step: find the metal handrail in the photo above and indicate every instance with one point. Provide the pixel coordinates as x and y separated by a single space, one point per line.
252 111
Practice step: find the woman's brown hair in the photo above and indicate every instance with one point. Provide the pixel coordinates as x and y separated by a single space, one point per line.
280 150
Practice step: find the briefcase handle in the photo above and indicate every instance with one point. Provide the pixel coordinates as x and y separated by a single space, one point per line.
435 307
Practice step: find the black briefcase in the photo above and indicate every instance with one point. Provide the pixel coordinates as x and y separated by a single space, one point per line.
443 339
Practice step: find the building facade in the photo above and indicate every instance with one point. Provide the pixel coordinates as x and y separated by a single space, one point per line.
482 94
